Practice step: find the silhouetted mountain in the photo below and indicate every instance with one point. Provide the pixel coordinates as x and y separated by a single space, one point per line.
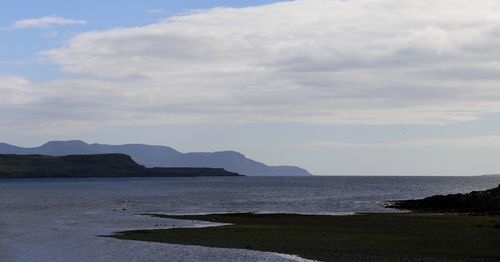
79 166
161 156
231 160
9 149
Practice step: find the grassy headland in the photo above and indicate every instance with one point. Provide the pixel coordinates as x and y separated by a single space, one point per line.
371 237
81 166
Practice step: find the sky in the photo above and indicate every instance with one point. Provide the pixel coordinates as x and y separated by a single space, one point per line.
339 87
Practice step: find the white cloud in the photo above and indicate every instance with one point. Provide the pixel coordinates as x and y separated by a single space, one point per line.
46 21
307 61
157 11
15 91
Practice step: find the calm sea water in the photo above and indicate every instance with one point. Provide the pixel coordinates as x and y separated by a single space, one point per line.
58 220
254 194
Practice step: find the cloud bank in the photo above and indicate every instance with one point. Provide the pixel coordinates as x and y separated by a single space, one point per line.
45 21
304 61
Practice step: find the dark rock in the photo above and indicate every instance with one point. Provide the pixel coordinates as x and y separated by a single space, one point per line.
477 202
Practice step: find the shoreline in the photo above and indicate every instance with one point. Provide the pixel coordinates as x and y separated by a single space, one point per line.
50 229
359 237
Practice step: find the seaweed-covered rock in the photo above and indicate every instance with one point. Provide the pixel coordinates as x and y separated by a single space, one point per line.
477 202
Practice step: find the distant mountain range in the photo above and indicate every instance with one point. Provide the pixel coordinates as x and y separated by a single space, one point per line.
161 156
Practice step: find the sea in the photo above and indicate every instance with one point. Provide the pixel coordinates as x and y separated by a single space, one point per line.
65 219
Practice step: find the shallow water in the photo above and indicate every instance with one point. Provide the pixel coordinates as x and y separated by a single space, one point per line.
58 220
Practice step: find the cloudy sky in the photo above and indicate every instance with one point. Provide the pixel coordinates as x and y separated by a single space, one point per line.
340 87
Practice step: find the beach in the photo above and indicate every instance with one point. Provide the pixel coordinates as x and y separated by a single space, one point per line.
362 237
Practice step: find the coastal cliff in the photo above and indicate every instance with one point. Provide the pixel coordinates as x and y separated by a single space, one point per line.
82 166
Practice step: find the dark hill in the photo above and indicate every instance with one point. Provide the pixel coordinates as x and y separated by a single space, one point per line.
161 156
80 166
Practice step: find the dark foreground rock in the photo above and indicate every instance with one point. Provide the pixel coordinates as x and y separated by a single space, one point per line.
477 202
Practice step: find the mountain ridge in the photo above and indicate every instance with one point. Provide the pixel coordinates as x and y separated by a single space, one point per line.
160 156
